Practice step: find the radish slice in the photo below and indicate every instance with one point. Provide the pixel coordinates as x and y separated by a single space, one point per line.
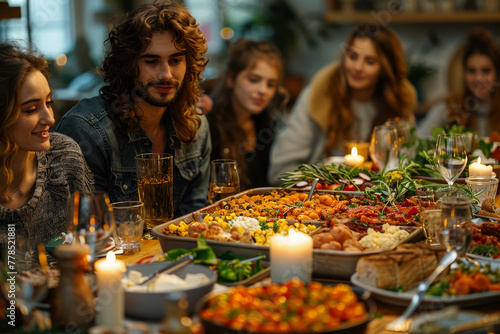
301 184
358 181
364 176
308 188
344 181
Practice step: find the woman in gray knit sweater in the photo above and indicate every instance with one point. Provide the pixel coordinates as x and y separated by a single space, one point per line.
38 170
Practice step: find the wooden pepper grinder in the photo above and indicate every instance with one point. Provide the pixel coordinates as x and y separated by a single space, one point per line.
72 303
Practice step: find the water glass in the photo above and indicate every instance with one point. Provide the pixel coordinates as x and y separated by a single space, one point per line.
457 229
429 202
384 147
224 179
129 219
155 185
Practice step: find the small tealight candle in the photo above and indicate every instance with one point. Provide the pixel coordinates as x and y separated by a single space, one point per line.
291 256
354 159
110 296
478 169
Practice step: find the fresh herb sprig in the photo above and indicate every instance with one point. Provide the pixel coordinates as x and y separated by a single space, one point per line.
327 173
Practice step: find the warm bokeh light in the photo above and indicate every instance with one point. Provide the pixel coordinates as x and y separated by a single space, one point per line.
61 60
227 33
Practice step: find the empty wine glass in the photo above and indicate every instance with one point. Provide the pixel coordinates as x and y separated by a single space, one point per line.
384 147
24 278
91 221
450 156
407 141
457 229
224 180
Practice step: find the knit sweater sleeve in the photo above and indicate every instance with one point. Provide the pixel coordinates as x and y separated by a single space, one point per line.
66 159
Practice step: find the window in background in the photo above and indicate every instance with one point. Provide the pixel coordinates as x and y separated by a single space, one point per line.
50 26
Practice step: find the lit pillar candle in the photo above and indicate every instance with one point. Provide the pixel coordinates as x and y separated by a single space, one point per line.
478 169
354 159
110 296
291 256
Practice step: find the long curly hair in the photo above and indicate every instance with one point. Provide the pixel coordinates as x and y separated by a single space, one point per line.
243 53
463 105
394 96
124 45
16 64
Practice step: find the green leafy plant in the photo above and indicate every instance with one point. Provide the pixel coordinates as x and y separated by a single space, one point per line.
227 271
327 173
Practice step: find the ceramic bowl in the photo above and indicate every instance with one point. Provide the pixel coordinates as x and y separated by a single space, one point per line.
151 305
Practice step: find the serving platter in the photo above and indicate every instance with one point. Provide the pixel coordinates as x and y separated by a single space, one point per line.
350 327
404 298
326 263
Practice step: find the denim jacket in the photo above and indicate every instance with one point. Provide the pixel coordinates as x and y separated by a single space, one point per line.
110 155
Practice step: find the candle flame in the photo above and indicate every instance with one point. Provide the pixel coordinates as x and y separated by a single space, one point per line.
292 235
110 257
354 151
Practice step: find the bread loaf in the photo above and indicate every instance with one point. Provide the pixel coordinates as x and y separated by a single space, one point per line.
405 267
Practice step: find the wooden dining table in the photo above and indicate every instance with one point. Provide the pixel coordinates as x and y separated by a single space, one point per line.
385 312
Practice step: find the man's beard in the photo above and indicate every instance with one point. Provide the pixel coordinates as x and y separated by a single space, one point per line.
159 99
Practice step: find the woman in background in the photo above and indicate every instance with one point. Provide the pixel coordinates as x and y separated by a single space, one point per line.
476 106
345 100
242 123
39 170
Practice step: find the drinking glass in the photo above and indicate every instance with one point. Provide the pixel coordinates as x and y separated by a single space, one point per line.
483 187
406 137
429 202
384 147
450 156
24 279
224 180
457 229
129 218
156 187
91 221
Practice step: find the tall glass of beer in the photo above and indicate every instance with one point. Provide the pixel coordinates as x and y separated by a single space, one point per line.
224 180
155 186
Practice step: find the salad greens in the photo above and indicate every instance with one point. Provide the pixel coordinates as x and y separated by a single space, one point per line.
228 267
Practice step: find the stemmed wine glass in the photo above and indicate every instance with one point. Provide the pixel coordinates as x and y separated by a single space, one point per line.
224 180
450 156
384 147
24 277
91 221
456 229
405 135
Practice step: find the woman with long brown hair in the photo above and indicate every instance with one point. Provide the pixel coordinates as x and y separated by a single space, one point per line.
39 170
476 106
241 123
345 100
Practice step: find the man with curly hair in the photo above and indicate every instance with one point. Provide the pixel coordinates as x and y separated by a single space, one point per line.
153 65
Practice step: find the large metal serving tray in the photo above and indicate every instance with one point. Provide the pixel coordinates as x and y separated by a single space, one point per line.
326 263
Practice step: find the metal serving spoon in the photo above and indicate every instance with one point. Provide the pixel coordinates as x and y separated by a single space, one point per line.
181 263
402 324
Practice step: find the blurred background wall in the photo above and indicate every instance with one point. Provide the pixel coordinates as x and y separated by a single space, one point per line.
310 35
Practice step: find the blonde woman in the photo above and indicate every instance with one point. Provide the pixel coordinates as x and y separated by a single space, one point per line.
345 100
